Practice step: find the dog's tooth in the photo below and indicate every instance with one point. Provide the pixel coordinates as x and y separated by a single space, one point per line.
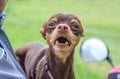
57 42
66 43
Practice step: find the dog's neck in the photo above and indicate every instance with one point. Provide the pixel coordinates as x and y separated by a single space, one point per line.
61 69
63 57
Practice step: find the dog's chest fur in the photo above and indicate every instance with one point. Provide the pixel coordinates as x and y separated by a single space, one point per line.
57 68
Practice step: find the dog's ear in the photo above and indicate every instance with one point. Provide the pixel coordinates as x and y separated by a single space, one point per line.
83 34
43 30
82 30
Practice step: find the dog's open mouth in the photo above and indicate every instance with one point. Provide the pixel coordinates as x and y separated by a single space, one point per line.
62 42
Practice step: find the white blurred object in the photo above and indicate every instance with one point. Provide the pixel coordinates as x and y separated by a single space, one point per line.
93 50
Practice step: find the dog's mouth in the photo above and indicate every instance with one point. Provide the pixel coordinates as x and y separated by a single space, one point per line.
62 42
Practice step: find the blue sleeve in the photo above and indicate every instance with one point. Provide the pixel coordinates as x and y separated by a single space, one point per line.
9 66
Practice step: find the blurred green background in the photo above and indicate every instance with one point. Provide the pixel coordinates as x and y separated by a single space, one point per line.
101 19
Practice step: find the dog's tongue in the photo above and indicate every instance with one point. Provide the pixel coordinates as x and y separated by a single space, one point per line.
61 44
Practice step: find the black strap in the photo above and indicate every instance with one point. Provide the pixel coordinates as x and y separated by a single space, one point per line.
46 68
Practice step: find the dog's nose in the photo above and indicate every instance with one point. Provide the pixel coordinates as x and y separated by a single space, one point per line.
62 27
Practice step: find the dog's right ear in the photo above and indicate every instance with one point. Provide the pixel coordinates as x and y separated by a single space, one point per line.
43 30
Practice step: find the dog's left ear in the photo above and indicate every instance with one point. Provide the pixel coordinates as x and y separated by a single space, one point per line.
82 29
83 33
43 31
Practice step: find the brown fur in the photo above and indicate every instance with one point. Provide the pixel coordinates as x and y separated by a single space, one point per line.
62 32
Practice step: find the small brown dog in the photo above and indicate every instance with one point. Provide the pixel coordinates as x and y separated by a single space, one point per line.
62 32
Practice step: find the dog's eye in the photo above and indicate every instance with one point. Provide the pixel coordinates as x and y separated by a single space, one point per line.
74 25
51 24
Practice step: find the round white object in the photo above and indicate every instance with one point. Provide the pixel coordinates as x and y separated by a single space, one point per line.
94 50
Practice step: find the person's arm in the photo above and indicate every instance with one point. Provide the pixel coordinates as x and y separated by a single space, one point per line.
2 5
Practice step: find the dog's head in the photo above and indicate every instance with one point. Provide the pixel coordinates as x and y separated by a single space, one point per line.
63 32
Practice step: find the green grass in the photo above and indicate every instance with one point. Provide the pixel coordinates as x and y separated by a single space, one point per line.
101 19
